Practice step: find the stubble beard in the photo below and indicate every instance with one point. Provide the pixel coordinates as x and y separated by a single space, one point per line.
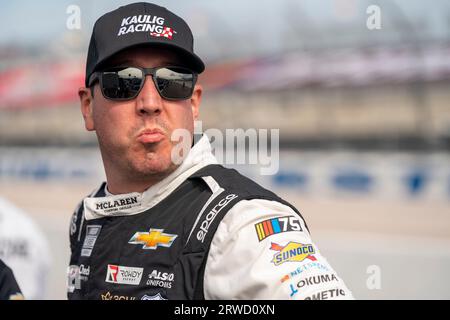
138 162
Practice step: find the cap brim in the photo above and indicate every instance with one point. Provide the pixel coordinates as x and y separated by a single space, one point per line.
190 60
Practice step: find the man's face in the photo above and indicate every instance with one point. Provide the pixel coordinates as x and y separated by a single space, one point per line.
135 135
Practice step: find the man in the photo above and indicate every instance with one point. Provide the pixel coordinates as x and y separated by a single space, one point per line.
9 289
169 222
24 248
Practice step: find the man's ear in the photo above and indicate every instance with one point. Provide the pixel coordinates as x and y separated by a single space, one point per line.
196 100
86 104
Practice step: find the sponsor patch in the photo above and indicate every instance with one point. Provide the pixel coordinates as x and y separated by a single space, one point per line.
166 33
312 280
92 232
204 226
270 227
157 296
73 278
115 204
292 252
109 296
153 25
153 239
160 279
328 294
76 274
124 275
304 268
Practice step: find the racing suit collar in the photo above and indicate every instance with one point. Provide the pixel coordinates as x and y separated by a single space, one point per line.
133 203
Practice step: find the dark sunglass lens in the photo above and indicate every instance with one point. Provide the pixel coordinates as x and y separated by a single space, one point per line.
122 83
175 83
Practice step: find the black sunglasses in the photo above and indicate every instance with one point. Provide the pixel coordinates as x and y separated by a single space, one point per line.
125 83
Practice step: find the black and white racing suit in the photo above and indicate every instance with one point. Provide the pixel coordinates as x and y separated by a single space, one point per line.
204 232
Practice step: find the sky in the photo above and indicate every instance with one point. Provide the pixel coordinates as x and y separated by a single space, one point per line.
222 24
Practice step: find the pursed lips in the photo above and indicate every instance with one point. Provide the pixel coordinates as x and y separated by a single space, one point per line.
151 136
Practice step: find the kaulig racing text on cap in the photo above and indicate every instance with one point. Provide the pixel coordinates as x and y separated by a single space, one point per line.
140 24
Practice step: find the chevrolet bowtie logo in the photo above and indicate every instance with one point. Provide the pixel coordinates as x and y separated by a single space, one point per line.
153 239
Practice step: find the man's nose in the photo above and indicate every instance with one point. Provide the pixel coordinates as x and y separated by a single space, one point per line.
149 102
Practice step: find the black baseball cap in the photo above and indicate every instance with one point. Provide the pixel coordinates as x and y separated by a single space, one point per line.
140 24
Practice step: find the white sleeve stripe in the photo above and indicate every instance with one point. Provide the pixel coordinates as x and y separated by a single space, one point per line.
212 183
217 190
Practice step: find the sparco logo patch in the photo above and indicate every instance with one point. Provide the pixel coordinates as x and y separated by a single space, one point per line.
124 275
204 226
154 25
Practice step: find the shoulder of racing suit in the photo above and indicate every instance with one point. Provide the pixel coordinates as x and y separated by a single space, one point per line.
231 231
263 241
